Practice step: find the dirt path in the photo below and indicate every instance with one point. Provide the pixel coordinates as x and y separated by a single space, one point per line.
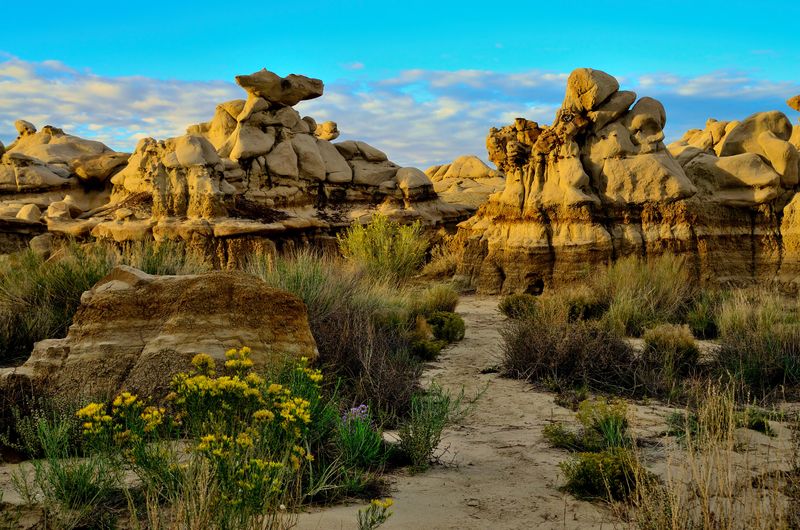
503 475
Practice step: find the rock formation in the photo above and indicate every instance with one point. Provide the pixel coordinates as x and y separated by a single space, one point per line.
134 332
52 173
467 181
599 183
255 175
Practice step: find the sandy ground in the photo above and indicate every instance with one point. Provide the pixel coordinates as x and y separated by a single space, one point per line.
503 474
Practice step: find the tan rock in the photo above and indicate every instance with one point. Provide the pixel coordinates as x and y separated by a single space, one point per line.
99 168
587 89
327 131
289 90
30 212
794 102
744 137
372 173
783 157
134 331
251 142
24 128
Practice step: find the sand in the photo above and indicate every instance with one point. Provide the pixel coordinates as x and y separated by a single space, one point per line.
503 474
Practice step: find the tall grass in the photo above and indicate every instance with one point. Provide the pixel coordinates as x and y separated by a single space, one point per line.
712 479
760 339
361 323
384 248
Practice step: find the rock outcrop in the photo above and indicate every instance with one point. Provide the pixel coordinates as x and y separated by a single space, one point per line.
256 176
134 332
466 181
599 183
52 172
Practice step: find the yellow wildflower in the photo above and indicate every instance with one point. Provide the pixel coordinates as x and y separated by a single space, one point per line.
204 363
263 414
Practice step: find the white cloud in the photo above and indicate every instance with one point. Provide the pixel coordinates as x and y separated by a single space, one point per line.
419 117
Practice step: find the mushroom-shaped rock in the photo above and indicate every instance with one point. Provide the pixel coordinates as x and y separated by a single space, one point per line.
327 131
289 90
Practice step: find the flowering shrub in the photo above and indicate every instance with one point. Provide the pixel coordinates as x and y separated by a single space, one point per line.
360 444
250 436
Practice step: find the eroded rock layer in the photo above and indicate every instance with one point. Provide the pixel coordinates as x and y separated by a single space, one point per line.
255 175
599 183
134 332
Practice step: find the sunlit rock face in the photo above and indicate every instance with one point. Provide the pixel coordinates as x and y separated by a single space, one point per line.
599 183
257 175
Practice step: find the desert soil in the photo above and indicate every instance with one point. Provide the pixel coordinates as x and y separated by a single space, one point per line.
500 472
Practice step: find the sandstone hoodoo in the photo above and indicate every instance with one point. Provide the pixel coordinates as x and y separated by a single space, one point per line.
256 175
599 183
134 332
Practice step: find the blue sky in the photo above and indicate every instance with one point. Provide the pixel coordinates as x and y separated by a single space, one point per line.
421 80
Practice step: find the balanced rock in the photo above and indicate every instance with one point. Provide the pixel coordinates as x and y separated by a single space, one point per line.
134 332
288 91
794 102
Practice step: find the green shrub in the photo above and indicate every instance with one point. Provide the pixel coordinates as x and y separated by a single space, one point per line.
427 349
517 305
421 433
439 297
609 474
604 424
385 249
448 327
374 515
545 345
760 340
640 294
35 414
75 492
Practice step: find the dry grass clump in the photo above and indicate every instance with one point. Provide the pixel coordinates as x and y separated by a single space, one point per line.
670 353
640 294
360 323
545 345
716 477
444 258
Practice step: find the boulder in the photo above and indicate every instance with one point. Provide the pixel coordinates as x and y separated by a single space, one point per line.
587 89
288 91
24 128
309 160
99 168
282 160
794 102
327 131
336 167
134 332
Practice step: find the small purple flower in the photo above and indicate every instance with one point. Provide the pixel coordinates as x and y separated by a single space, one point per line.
360 412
